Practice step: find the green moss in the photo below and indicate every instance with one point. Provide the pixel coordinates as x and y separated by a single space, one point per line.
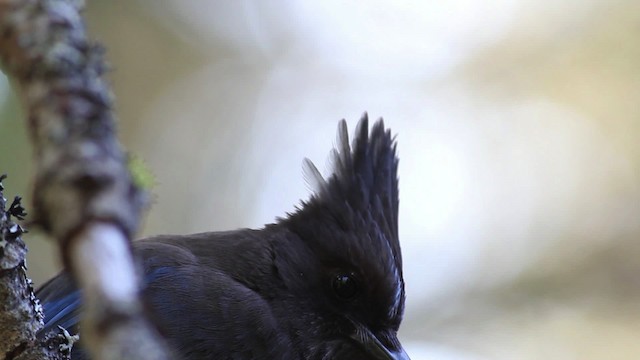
141 174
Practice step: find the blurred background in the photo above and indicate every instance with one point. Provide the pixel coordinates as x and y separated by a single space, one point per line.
517 123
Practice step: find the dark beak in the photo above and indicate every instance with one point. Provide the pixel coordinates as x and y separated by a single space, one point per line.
372 345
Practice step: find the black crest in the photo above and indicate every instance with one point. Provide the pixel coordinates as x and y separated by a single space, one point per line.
355 210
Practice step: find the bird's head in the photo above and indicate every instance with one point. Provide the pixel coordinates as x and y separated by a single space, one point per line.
342 265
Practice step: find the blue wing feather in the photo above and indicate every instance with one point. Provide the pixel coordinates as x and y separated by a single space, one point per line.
61 300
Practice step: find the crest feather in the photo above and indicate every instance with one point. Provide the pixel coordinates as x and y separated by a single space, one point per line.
363 180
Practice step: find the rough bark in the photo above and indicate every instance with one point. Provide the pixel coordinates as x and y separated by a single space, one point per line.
84 196
20 311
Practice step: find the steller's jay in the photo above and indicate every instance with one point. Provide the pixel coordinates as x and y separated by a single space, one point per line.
325 282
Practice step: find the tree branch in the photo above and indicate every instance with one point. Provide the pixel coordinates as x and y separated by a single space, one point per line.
84 196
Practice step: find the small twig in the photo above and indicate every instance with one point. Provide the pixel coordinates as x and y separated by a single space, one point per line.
83 195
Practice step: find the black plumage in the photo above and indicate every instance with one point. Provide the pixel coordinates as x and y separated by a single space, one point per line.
324 282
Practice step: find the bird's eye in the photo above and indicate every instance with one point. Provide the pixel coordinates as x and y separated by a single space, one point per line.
345 286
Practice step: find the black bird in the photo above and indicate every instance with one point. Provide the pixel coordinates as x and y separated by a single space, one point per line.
324 282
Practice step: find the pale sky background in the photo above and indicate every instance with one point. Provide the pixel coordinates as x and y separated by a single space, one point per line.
517 126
